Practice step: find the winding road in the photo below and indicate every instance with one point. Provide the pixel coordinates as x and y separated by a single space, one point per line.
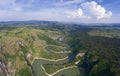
39 62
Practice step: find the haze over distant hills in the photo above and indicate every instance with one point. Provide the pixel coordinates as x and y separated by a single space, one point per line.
91 11
39 22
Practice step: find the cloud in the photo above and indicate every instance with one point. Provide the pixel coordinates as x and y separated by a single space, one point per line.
76 14
61 10
95 10
68 2
91 10
15 5
46 14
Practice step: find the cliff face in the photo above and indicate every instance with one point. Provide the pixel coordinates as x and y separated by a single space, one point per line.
3 65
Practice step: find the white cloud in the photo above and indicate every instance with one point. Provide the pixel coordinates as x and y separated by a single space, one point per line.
76 14
95 10
6 7
90 10
64 3
46 14
17 9
13 5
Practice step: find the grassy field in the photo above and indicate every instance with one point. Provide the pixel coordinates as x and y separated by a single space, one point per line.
53 68
29 37
34 43
69 72
25 72
111 33
45 54
57 48
96 50
38 70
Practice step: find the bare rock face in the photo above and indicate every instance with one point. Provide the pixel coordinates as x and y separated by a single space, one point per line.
3 65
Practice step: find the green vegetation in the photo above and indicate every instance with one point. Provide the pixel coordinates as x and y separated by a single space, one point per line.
101 69
16 41
45 54
24 49
48 40
25 72
52 68
69 72
57 48
99 46
108 32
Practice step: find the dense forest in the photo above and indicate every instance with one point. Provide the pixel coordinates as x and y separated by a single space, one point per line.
101 44
102 53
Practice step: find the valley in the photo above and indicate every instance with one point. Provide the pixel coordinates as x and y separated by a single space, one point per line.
59 50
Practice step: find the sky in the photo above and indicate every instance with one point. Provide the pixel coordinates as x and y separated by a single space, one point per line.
81 11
